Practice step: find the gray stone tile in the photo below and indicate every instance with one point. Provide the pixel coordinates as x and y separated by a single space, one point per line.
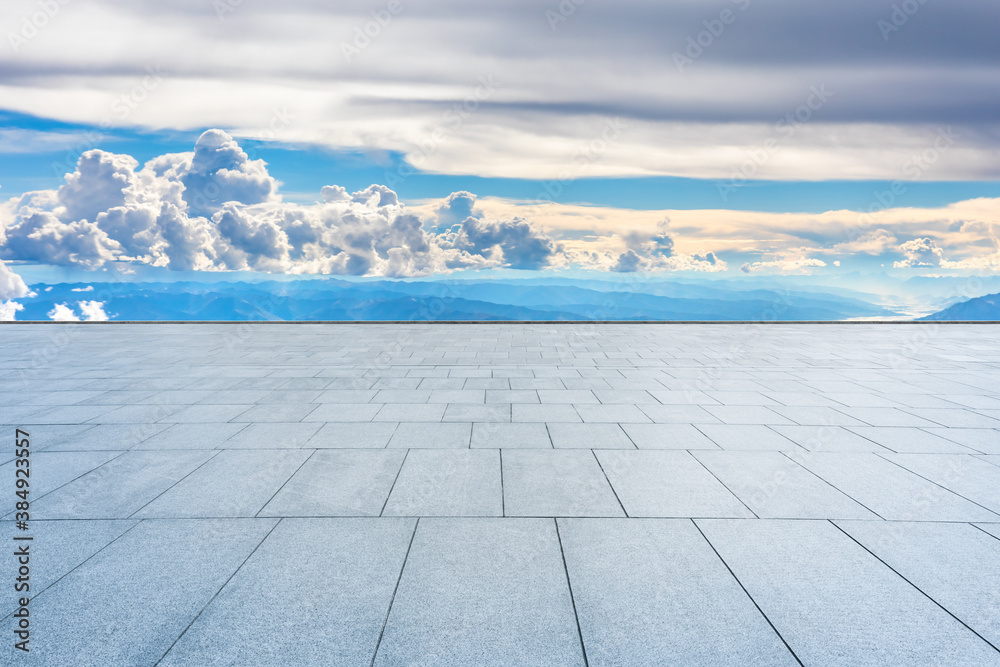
56 548
353 435
678 414
203 414
431 435
890 491
577 396
589 436
148 585
348 482
330 606
663 483
747 437
886 417
120 487
816 416
775 487
956 418
462 412
746 414
191 436
510 436
910 440
985 440
401 412
135 414
828 439
272 436
511 396
236 483
275 413
346 396
544 413
836 604
955 564
472 396
343 412
668 436
483 592
47 472
968 476
611 414
447 483
111 437
653 591
556 483
71 414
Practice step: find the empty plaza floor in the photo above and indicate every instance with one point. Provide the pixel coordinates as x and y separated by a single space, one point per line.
505 494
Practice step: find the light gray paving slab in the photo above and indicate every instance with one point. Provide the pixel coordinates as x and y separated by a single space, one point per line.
447 483
589 436
204 414
148 586
268 435
326 610
410 412
191 436
746 414
665 483
565 413
828 439
748 437
668 436
338 482
653 592
511 436
985 440
431 435
773 486
236 483
910 440
834 603
464 412
483 592
556 483
276 413
56 548
47 471
574 396
112 437
890 491
958 418
343 412
120 487
678 414
955 564
968 476
887 417
353 435
611 414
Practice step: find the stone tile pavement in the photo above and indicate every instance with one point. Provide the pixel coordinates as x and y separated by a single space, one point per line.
506 494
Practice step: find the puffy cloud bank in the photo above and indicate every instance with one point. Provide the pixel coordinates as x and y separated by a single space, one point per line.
216 209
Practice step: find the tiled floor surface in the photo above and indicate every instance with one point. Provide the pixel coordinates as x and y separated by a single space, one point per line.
506 494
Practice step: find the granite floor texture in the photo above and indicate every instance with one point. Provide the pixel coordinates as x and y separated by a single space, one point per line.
506 494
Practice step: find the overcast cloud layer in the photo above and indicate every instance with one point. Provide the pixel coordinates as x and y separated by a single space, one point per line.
728 89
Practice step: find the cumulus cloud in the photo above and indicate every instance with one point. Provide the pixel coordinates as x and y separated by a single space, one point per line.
90 311
216 209
797 265
12 286
63 313
920 253
9 310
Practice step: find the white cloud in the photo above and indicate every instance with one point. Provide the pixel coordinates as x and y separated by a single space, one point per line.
796 265
63 313
88 288
215 209
12 286
9 310
93 311
920 253
90 311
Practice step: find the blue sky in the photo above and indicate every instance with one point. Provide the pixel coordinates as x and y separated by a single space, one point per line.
722 138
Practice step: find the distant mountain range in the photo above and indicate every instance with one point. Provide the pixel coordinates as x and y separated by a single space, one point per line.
983 308
531 299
